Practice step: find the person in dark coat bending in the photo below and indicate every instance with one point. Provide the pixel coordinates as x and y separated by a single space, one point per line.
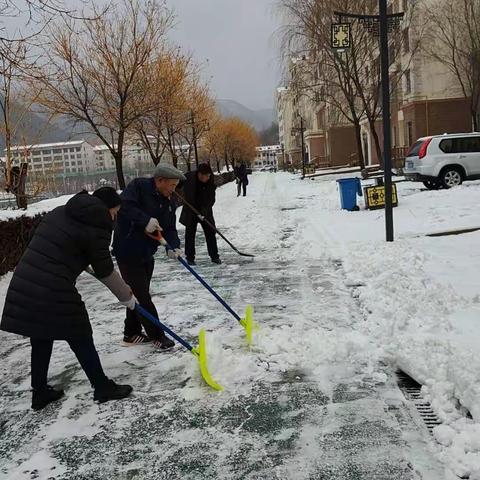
147 207
199 190
42 301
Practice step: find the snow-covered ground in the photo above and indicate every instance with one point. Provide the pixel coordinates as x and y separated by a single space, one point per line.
34 209
316 397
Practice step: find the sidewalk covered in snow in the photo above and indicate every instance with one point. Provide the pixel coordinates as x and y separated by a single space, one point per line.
316 396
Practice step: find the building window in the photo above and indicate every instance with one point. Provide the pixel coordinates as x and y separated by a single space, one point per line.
408 82
409 133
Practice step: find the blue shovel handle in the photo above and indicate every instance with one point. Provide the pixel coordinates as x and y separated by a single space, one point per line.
158 323
158 236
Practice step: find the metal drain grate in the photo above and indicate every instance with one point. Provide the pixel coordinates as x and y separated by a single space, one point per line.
412 391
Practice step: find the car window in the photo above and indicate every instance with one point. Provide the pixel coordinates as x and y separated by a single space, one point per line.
448 145
415 149
460 145
473 144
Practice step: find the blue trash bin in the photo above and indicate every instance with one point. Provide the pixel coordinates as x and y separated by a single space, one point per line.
349 189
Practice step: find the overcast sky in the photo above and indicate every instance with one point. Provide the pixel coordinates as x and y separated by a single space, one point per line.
237 38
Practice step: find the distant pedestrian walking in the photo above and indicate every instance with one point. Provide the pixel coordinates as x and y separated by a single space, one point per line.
241 178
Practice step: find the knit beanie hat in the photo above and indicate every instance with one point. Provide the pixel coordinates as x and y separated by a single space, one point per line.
205 169
108 196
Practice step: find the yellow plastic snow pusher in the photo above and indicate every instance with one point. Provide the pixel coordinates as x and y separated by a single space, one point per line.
247 322
199 352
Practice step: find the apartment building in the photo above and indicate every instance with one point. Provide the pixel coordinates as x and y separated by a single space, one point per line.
328 138
267 156
55 158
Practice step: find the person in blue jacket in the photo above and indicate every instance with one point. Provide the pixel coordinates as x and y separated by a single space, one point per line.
147 207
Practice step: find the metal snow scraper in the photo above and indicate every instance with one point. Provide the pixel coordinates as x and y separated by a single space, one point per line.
199 352
247 322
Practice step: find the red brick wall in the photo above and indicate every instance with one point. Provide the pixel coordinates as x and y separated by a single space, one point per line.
444 116
342 145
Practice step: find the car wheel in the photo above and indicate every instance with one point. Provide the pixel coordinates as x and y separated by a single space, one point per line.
451 177
432 184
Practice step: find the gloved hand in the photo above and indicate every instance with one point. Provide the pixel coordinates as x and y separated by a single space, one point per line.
201 218
153 226
174 254
130 303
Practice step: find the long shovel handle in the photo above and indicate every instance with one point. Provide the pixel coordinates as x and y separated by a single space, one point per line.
158 236
158 323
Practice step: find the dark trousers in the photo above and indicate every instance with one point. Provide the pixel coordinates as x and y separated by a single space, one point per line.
211 239
85 352
241 185
138 276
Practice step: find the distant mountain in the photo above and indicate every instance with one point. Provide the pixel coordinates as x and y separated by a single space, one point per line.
37 128
258 119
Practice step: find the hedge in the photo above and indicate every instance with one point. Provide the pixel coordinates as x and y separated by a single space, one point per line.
14 237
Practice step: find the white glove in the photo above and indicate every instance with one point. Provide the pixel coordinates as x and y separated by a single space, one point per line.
201 218
130 303
153 226
174 254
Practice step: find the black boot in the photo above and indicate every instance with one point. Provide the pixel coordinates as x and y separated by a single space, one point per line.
111 391
41 398
191 262
217 261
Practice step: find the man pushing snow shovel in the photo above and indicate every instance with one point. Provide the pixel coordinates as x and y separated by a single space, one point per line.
147 207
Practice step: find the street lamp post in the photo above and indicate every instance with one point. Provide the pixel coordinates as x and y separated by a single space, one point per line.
387 141
341 41
301 129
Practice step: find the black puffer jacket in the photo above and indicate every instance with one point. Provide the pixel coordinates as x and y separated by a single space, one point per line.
42 301
200 195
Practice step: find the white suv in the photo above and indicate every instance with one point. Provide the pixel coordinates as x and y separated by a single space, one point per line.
444 160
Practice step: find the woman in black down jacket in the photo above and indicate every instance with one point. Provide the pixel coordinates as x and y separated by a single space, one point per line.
42 301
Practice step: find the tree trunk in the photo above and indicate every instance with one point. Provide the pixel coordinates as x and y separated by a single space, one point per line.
218 166
358 139
119 168
376 140
20 187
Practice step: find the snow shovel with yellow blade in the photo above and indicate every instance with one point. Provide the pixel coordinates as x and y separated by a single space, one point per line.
247 322
199 352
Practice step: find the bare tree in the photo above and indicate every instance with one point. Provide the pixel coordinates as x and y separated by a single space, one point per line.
13 56
202 110
454 41
159 128
36 15
99 74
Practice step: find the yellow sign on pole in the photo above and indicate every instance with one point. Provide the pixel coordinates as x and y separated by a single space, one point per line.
341 34
375 197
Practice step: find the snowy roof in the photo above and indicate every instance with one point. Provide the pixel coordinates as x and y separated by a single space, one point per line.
268 148
49 145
